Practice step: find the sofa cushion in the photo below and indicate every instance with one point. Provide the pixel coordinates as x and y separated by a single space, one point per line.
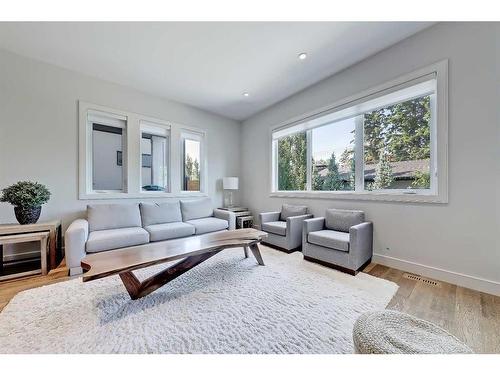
330 238
276 227
208 224
167 231
288 210
113 216
196 208
343 220
101 240
160 213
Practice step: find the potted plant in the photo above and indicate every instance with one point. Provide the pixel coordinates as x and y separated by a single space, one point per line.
27 198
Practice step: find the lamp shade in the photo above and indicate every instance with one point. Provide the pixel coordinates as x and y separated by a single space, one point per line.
230 183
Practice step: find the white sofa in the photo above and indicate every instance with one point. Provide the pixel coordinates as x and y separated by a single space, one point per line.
113 226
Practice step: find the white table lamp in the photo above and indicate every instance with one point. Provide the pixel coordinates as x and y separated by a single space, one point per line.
230 184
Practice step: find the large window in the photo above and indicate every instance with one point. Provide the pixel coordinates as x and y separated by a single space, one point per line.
127 155
154 157
191 161
381 144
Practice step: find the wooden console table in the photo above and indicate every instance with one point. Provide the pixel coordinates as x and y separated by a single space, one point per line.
55 237
41 237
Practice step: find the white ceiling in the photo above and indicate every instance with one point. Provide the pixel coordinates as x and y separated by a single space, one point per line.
207 65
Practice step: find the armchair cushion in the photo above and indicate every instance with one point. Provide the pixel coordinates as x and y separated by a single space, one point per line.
208 224
288 210
167 231
160 213
276 227
113 216
343 220
196 209
330 238
109 239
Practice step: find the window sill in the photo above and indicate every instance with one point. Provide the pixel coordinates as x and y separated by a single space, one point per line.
344 195
143 195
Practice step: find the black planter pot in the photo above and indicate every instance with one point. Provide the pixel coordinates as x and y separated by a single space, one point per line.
27 215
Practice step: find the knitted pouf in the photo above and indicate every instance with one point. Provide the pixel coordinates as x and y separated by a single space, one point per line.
393 332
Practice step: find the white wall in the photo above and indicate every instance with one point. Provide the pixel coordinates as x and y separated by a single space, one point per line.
39 131
457 241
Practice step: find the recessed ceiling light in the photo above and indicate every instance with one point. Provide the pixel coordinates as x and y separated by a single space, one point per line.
246 94
302 56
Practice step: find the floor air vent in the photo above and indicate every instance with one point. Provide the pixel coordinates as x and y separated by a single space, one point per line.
421 279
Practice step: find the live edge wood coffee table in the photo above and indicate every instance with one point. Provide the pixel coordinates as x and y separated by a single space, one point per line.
192 251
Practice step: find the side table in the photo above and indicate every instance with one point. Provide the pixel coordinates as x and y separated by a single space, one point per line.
41 237
244 218
55 237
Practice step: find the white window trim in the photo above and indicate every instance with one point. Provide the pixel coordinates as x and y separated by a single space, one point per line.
439 135
132 158
151 125
200 136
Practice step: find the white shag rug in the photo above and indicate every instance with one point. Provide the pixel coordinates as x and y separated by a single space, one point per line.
228 304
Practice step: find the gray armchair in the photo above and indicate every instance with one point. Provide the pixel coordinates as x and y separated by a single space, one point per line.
284 228
342 239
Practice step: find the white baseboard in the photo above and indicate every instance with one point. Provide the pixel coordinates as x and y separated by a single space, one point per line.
467 281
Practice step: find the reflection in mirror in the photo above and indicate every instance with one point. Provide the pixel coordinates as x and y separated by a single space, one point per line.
154 159
107 157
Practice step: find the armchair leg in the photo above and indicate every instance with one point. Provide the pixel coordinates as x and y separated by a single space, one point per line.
245 250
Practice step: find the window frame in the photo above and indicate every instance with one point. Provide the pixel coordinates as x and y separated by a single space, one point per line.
198 136
439 136
132 159
166 128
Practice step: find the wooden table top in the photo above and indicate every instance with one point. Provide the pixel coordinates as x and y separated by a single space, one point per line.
112 262
13 228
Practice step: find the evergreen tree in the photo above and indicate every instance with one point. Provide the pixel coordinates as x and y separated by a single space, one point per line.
383 172
332 180
188 172
317 180
196 170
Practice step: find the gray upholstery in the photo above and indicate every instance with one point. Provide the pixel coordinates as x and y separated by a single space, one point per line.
113 216
160 213
196 208
167 231
208 224
109 239
325 245
159 222
229 216
342 220
330 238
74 244
288 210
276 227
291 239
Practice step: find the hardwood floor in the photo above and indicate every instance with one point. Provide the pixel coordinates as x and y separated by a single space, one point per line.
472 316
8 289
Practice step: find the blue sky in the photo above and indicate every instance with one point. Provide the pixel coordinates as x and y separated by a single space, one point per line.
333 137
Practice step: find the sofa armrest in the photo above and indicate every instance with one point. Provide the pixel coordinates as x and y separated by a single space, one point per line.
75 239
226 215
294 226
266 217
361 243
314 225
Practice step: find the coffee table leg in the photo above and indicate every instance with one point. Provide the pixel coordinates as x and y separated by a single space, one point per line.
245 249
137 289
256 253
